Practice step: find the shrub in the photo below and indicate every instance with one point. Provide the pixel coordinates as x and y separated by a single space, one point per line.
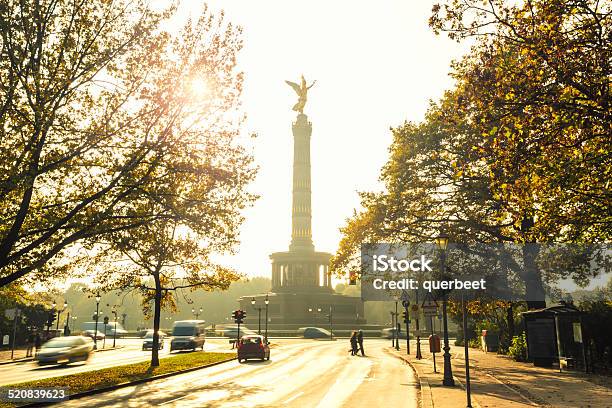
518 348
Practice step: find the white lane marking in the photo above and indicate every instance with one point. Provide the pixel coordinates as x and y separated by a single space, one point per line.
172 400
294 397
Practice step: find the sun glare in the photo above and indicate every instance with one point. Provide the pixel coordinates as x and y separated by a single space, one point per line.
198 87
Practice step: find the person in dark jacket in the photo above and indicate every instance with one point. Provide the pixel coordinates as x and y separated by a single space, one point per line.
360 341
353 343
37 342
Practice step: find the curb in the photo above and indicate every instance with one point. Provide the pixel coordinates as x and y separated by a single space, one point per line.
424 389
126 384
20 360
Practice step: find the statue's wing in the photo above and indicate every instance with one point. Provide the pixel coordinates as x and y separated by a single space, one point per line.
295 87
311 85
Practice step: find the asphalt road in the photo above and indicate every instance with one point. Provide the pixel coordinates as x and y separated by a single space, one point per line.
300 373
131 352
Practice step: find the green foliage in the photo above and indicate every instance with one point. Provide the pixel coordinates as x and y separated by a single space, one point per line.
474 343
597 331
518 348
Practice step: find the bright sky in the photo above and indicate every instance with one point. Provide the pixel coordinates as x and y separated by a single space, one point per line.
376 63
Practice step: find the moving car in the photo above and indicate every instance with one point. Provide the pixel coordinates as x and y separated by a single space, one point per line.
148 340
188 335
232 332
94 334
253 346
65 350
108 331
314 333
389 332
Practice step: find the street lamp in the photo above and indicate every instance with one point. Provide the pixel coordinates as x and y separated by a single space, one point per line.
396 329
59 312
258 315
267 301
196 314
97 317
114 311
442 243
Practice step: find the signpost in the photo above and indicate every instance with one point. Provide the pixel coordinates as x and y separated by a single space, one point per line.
406 304
429 306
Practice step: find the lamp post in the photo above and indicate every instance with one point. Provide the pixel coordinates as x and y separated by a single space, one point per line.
467 357
258 315
196 314
397 326
97 317
114 310
267 301
419 355
59 312
442 243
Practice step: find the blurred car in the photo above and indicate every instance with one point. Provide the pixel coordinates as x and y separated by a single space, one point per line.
314 333
188 335
65 350
232 332
148 340
94 334
253 346
109 330
389 333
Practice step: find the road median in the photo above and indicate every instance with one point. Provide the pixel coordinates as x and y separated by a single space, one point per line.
109 379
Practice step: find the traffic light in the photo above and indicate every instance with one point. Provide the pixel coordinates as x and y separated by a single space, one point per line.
352 278
405 316
238 316
51 318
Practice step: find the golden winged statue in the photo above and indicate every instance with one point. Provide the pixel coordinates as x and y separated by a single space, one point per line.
301 90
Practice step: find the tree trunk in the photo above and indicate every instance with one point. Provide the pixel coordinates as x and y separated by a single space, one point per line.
156 318
534 288
510 319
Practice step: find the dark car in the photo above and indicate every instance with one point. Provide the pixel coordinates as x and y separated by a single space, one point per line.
64 350
315 333
389 333
94 334
253 346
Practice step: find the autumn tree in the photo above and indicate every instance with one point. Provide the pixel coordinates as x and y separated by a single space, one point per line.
517 152
537 87
199 188
74 148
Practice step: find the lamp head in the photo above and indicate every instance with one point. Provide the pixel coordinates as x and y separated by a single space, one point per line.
253 301
442 241
98 297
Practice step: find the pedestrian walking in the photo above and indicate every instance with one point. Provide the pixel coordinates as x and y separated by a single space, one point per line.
360 341
37 342
353 343
29 345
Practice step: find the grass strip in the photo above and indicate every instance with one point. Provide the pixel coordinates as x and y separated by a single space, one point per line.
122 374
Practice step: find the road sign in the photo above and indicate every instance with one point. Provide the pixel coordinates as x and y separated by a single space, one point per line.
429 305
405 298
414 311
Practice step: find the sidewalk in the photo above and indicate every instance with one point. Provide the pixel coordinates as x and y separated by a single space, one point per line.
499 381
20 355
